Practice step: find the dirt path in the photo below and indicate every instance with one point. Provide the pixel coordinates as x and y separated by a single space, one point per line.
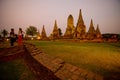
40 72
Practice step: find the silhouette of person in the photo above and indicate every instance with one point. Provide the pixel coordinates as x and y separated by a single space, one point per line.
20 36
12 37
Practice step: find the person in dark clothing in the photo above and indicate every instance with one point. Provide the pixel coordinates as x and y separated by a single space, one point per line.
12 37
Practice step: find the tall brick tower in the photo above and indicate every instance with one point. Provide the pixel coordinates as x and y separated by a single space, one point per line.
55 33
91 32
70 27
80 30
98 33
43 33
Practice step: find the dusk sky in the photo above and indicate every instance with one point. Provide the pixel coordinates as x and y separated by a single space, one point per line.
23 13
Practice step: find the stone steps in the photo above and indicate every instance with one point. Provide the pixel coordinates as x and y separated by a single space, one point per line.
60 68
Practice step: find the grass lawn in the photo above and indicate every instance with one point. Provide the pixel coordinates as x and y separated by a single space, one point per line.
102 58
15 70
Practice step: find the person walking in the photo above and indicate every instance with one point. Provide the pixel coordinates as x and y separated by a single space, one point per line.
12 37
20 37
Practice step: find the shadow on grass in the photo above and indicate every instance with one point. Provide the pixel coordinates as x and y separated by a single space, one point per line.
15 70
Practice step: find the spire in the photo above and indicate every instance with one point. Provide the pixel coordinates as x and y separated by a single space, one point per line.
98 30
43 30
55 25
91 31
55 31
80 19
80 27
43 33
91 28
91 23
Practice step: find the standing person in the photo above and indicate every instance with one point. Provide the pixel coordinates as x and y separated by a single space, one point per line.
20 36
12 37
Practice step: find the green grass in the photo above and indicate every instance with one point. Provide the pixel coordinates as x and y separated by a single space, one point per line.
100 58
15 70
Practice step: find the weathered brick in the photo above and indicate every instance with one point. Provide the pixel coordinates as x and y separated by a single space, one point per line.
77 72
73 68
58 61
68 66
90 76
98 77
64 71
74 77
84 73
81 78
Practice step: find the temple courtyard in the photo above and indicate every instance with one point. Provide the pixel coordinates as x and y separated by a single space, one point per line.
99 58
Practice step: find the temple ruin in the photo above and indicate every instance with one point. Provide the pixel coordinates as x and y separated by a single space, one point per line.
43 34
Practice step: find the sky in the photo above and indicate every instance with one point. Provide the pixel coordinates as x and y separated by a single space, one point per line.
25 13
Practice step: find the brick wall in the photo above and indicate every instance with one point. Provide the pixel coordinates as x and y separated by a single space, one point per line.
60 68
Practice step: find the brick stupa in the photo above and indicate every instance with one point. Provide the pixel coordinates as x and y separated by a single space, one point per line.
70 28
80 30
91 31
43 34
55 34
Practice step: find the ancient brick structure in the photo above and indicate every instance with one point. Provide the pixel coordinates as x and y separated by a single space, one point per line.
98 33
55 34
43 33
61 69
91 32
80 30
70 28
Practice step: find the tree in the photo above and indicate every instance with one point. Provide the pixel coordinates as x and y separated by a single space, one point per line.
60 31
31 30
4 33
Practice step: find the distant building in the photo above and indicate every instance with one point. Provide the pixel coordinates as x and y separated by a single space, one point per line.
79 32
43 34
98 33
55 34
70 28
91 32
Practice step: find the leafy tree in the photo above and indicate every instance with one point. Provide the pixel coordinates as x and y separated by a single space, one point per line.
60 31
31 30
4 33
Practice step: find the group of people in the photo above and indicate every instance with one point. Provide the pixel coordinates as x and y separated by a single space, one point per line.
18 37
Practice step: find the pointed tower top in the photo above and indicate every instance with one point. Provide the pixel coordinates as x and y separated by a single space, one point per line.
80 19
80 11
55 25
91 28
43 30
98 30
97 25
70 21
91 23
70 16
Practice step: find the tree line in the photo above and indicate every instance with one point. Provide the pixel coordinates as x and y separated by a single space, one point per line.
31 30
